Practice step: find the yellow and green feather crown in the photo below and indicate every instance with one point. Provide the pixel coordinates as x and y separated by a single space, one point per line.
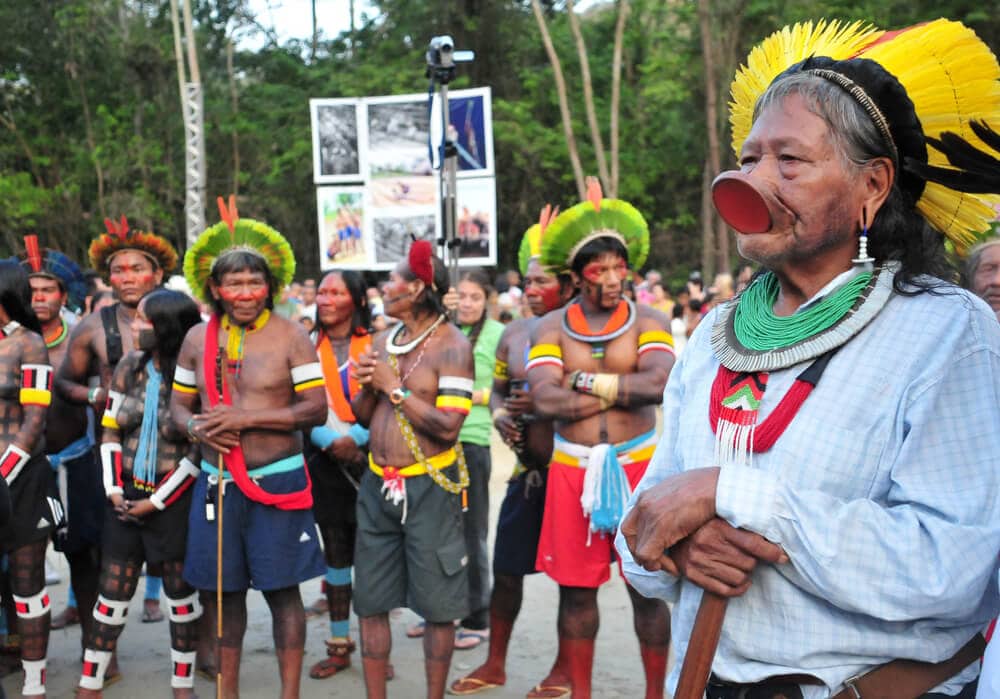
948 73
591 219
531 243
234 233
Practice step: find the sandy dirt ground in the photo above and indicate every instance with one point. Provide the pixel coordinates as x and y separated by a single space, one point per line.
144 649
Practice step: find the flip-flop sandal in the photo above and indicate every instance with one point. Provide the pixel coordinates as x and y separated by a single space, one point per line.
467 639
416 630
338 658
549 691
470 685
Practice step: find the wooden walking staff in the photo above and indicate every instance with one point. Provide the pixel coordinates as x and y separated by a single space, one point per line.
701 647
221 378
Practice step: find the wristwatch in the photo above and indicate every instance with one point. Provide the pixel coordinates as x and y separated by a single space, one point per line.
398 395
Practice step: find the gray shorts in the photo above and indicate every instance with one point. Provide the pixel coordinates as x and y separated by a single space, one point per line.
421 564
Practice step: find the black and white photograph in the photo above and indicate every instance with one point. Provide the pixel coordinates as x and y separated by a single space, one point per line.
392 235
397 138
337 140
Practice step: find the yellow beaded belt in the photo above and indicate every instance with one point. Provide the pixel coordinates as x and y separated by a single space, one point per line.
436 462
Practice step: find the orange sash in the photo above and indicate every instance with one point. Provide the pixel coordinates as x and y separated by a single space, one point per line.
335 396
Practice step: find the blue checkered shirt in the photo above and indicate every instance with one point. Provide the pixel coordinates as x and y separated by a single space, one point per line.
882 490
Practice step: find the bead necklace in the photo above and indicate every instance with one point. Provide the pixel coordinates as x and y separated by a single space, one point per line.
758 328
390 342
236 339
60 335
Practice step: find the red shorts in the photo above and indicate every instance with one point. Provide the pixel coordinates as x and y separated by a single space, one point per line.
568 552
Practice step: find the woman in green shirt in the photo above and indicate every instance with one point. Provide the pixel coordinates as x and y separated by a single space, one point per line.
484 334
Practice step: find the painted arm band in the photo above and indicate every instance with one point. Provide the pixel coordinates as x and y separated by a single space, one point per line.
36 384
185 380
307 376
484 398
656 341
500 370
544 354
454 394
174 484
114 405
13 460
111 468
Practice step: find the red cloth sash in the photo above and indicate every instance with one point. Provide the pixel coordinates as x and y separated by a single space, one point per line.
234 461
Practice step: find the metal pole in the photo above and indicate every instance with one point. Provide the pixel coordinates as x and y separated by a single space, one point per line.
449 177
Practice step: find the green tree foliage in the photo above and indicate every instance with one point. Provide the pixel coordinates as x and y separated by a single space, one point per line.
91 121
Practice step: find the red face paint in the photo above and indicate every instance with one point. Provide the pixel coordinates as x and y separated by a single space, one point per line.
234 294
334 304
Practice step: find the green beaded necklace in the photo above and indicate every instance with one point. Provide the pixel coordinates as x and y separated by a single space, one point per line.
758 329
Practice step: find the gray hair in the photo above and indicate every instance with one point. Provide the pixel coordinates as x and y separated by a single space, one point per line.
854 136
971 265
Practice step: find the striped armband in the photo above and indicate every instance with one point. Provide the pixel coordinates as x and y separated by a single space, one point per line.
307 376
36 384
500 371
110 419
544 354
13 460
656 341
454 394
174 484
185 380
111 468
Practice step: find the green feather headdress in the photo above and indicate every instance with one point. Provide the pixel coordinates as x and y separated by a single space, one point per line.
531 243
234 233
595 218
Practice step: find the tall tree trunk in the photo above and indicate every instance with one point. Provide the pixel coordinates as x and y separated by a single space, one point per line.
88 126
11 125
192 54
567 121
350 6
707 230
588 96
315 35
712 127
234 98
616 90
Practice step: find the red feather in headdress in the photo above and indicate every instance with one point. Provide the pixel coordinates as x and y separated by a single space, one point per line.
34 253
228 214
420 261
594 193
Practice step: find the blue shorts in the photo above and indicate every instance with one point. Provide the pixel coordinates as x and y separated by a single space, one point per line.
262 547
520 524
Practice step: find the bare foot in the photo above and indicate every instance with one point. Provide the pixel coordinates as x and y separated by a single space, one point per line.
151 612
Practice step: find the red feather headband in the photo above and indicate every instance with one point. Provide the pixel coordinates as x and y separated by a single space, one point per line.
420 261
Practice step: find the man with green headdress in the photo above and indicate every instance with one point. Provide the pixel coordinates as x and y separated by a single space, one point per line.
246 384
597 367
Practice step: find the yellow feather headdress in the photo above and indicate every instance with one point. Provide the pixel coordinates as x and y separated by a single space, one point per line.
531 243
950 76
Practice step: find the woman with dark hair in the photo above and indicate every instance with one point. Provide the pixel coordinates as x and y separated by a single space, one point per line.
484 336
25 393
337 452
148 471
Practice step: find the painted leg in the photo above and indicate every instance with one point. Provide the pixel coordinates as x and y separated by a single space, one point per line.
288 622
34 616
505 604
651 619
230 650
578 623
376 643
184 611
439 643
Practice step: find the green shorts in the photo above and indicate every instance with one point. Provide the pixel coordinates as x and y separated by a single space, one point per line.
422 563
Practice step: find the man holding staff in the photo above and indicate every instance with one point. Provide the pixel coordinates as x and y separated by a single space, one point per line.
246 384
827 464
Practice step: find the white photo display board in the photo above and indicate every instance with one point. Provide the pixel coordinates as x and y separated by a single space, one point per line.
377 184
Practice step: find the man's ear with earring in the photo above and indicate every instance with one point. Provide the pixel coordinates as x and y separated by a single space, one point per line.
863 260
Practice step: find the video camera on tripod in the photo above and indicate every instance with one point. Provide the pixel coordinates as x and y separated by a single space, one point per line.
442 57
441 60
